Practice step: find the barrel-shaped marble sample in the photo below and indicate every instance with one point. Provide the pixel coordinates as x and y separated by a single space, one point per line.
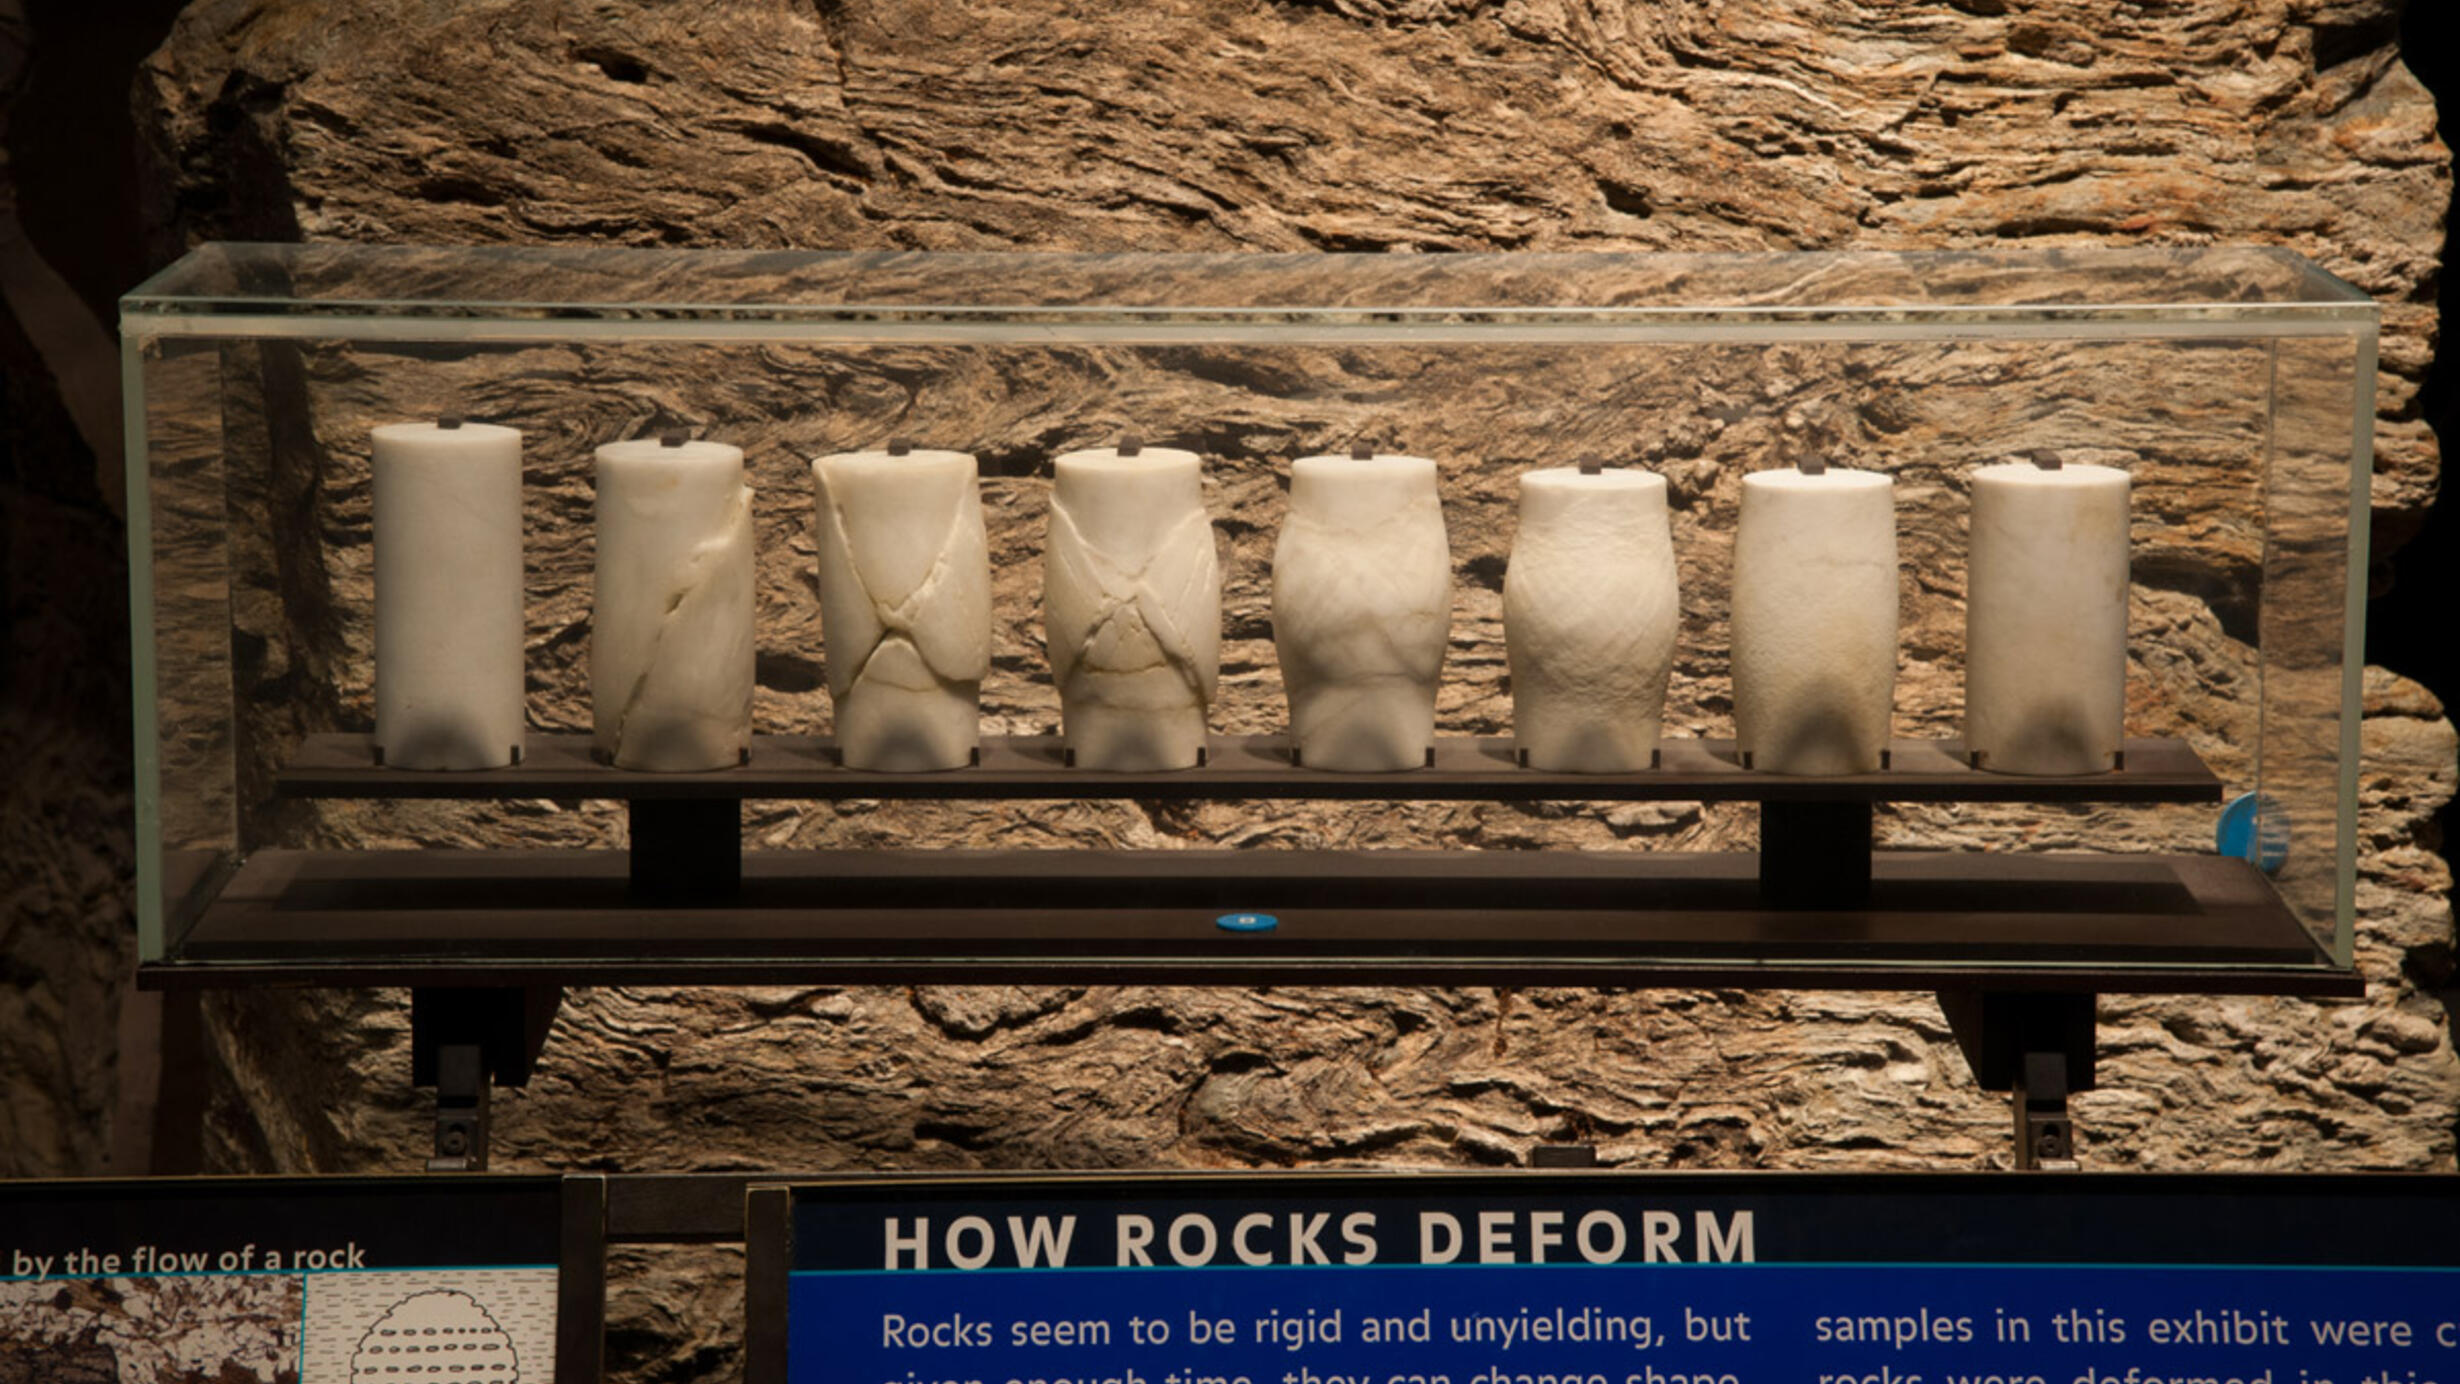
670 650
449 688
1814 620
1362 607
1132 607
1590 613
2046 619
441 1336
905 606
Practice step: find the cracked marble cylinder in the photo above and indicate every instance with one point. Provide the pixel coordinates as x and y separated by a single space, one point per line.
1362 607
670 647
1590 613
2046 619
1814 620
1131 602
905 605
449 687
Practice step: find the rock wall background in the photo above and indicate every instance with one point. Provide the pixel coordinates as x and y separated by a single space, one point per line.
1211 124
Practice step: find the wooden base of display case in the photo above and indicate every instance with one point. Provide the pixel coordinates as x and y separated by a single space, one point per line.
2017 946
2139 923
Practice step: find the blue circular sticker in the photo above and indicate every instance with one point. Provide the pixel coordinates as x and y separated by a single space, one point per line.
1247 922
2254 828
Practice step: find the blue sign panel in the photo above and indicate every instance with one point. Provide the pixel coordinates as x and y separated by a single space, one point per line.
1537 1278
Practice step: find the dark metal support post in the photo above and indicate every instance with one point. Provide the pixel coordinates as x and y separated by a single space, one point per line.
461 1110
1815 854
2039 1047
580 1283
768 1254
687 849
466 1041
2045 1133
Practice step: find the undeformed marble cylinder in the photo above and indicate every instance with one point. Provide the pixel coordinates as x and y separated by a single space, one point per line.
1362 607
1132 607
2046 619
1589 619
905 605
670 649
448 595
1814 620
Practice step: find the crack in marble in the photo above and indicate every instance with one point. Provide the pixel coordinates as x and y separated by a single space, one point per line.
1124 593
692 576
903 622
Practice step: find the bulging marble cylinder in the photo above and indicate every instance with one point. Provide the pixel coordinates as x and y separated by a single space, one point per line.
449 687
2046 619
1590 613
905 605
670 649
1131 607
1362 607
1814 620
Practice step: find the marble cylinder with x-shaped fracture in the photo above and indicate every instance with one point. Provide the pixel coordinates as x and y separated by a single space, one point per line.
905 605
1131 607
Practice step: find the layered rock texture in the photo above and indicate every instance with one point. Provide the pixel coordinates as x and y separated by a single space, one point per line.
1414 125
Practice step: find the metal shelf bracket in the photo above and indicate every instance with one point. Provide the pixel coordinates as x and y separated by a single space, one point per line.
464 1041
2038 1047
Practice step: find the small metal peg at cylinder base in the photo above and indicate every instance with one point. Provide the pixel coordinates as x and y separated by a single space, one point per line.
1591 466
1362 451
1813 466
900 446
673 437
449 422
1130 444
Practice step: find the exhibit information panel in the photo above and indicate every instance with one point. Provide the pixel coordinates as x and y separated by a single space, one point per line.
1589 1278
283 1281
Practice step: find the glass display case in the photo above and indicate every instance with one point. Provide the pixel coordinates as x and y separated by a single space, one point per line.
2235 386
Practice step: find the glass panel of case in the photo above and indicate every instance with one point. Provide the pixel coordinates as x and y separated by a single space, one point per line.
2234 385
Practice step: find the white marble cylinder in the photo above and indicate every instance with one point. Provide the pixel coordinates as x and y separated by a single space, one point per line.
1131 607
1362 608
2046 619
449 688
1590 613
670 648
1814 620
905 605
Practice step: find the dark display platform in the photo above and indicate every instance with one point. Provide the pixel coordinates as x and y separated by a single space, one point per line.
2157 924
689 905
1247 768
